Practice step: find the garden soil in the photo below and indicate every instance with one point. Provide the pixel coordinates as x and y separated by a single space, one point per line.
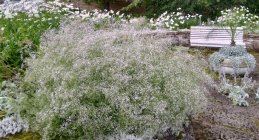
224 121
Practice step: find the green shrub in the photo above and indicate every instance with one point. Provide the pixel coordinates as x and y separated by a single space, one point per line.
208 8
102 84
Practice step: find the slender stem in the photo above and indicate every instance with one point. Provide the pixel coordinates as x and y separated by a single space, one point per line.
233 35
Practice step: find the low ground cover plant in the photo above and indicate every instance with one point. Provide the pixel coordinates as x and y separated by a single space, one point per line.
237 91
110 83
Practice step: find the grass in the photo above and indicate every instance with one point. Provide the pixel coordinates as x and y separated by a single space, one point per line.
206 52
253 52
24 136
2 114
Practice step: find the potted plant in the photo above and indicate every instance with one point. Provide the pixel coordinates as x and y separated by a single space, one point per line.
232 59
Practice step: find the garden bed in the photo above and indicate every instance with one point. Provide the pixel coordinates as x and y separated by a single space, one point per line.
96 75
223 120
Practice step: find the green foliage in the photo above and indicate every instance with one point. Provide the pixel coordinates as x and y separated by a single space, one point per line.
103 84
208 8
238 95
238 17
24 136
2 115
104 4
20 38
237 92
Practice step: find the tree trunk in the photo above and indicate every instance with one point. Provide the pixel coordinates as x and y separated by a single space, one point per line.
233 43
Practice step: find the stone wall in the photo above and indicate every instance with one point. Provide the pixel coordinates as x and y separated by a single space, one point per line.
252 41
174 37
180 37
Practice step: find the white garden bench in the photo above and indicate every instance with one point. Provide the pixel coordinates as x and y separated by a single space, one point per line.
212 36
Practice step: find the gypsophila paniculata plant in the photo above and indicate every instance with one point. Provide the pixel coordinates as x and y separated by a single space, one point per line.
114 83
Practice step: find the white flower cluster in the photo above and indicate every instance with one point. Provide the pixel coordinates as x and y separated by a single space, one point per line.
239 17
104 82
33 7
11 8
175 20
12 125
98 16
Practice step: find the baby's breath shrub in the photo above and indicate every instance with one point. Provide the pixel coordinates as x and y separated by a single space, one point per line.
110 83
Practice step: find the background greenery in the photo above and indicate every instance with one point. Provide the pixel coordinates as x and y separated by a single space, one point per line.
208 8
19 36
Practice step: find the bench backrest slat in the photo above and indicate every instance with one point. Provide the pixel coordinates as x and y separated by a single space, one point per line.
212 36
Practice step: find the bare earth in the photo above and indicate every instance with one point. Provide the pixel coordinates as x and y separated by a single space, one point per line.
224 121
